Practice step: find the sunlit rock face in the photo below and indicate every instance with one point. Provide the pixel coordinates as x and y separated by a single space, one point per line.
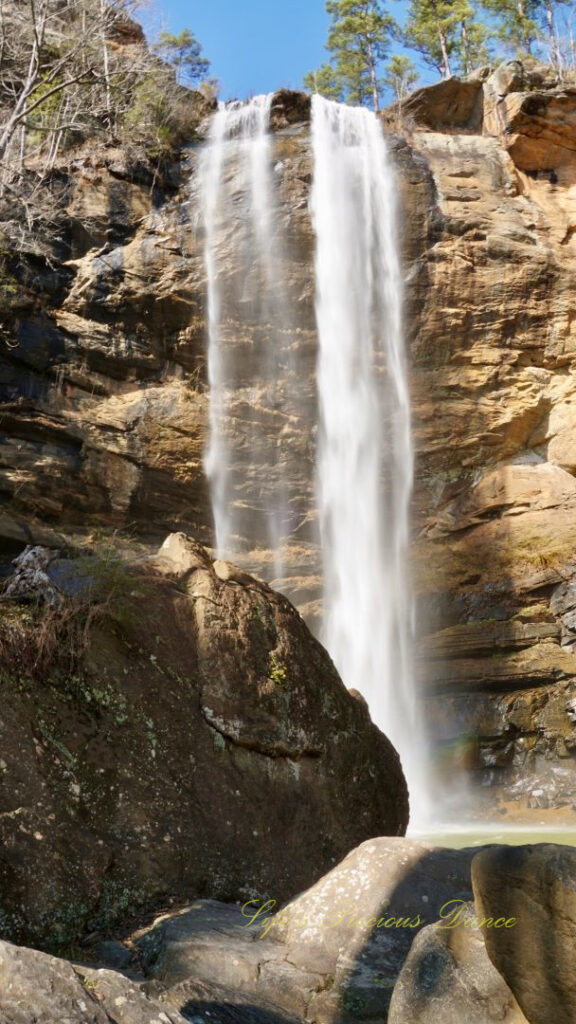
105 392
493 355
105 405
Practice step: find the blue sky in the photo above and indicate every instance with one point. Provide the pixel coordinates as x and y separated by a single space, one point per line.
255 46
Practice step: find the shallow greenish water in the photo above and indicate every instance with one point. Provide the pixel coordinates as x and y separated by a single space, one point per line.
456 838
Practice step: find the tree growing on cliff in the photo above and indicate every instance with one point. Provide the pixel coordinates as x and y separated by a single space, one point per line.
517 23
448 34
326 81
401 76
358 42
563 33
77 69
184 53
547 15
73 71
55 59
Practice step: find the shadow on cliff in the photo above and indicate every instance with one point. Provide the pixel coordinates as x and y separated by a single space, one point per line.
467 646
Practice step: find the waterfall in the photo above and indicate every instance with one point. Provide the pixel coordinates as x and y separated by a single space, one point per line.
364 460
246 329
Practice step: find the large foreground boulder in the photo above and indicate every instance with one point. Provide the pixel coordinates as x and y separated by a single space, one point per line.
535 885
331 955
174 730
38 987
390 934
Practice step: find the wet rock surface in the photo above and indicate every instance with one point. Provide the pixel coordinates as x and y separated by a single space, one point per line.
104 403
103 412
493 419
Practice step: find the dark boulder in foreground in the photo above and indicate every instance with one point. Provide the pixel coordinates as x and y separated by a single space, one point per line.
37 987
174 730
332 955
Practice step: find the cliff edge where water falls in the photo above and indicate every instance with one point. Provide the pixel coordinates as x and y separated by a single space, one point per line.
103 391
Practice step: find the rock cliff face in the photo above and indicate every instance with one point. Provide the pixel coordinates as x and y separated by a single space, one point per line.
493 353
104 400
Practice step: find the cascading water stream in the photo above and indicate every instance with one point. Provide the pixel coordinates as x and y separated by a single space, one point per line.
365 461
245 319
364 455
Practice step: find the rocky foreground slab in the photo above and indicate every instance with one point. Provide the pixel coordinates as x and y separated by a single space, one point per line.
399 931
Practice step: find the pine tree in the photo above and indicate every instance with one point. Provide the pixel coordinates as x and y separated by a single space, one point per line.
325 81
447 33
401 76
184 53
517 22
358 41
472 47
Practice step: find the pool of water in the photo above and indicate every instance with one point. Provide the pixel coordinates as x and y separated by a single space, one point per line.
456 837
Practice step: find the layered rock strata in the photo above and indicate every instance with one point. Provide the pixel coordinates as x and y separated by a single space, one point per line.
493 383
104 401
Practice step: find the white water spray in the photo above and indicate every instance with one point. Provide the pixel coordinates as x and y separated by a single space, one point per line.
365 461
243 274
364 457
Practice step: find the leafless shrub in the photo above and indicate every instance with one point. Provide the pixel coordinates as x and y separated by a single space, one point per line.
36 639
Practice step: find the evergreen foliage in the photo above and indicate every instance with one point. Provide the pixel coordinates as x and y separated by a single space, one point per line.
448 35
454 37
184 53
516 23
535 27
401 76
358 40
